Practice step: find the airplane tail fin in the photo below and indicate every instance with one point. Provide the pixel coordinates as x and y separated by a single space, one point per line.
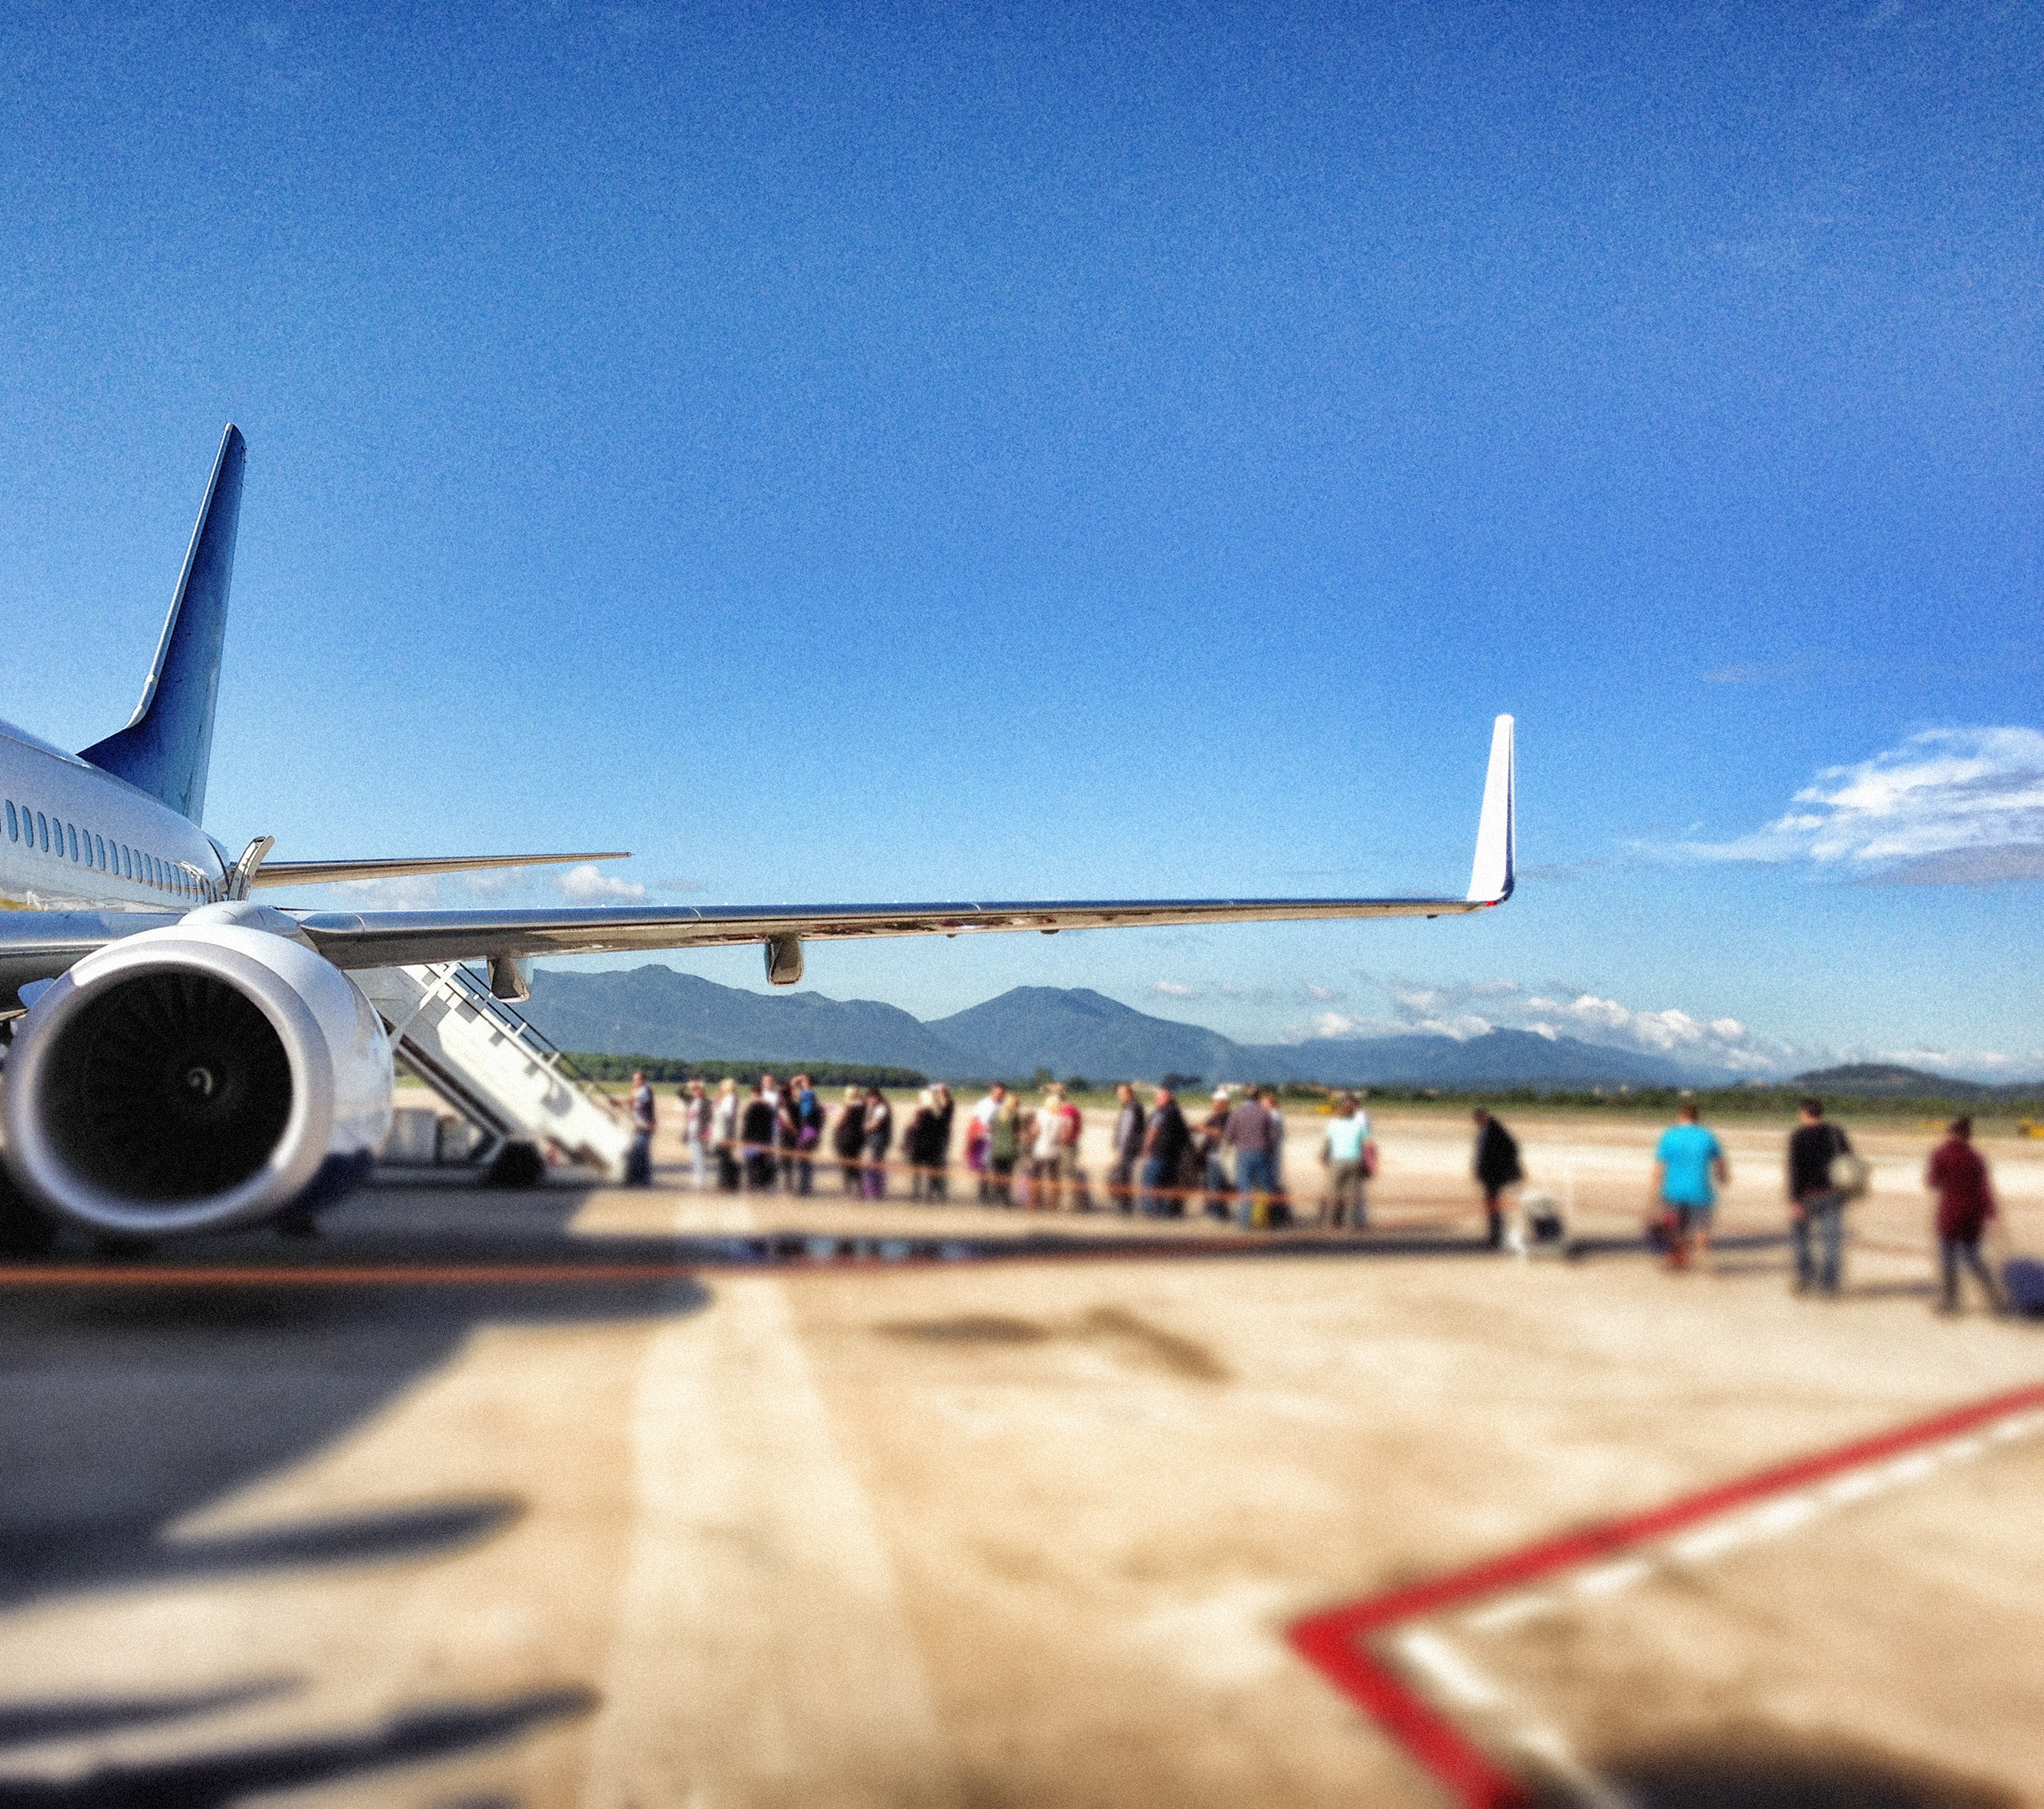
1490 880
166 747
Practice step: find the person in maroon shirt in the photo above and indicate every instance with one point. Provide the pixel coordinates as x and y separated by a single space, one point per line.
1965 1203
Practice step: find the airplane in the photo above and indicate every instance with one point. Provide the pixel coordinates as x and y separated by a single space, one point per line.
186 1059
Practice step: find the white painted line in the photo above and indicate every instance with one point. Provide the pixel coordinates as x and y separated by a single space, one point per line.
1959 1449
1609 1579
2008 1429
1784 1516
1509 1613
1712 1542
1452 1673
1555 1752
1911 1469
1854 1485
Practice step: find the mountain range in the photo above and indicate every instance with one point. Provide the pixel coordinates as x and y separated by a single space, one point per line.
654 1011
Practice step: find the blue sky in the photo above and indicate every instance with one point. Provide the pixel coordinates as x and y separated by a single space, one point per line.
891 452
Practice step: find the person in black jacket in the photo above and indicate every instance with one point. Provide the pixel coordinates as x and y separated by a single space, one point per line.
1164 1140
755 1135
1816 1207
848 1140
937 1154
916 1139
1497 1168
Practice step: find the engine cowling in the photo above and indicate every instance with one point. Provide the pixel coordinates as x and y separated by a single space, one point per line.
193 1079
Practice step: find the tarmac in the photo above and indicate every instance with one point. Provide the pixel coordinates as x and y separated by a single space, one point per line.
640 1496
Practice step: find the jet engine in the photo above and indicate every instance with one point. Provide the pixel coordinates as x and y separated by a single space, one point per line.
196 1078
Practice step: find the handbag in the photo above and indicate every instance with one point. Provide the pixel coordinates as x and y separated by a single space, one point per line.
1849 1174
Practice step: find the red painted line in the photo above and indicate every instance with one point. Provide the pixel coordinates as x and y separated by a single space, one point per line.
451 1275
1333 1640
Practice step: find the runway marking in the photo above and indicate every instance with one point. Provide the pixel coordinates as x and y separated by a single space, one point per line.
1339 1642
761 1649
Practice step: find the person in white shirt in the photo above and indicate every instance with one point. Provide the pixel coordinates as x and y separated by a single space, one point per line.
1348 1157
1047 1152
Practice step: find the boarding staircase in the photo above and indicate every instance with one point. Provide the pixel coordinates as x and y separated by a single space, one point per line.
494 1068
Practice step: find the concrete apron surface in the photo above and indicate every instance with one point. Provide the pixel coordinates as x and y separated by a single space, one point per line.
975 1535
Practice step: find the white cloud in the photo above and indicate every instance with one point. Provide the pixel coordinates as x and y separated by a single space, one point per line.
587 884
1172 989
1471 1008
1331 1024
1948 806
1718 1041
1323 993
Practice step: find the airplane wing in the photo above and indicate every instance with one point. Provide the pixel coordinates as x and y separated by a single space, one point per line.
390 938
35 945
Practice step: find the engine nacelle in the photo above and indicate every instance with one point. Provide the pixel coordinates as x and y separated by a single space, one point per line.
196 1078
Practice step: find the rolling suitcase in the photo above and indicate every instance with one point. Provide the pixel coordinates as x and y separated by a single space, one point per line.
2023 1278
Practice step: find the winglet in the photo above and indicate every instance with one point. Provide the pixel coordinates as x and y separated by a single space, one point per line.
166 747
1490 879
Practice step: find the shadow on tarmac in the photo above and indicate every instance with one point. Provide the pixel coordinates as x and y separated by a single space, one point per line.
1766 1768
210 1781
130 1407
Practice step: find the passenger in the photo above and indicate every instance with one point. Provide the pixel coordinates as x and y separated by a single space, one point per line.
879 1128
1047 1152
946 1109
756 1136
724 1130
1345 1154
849 1139
638 1156
915 1143
1213 1156
1004 1143
1965 1203
1071 1126
1279 1211
1125 1149
1497 1168
975 1149
1253 1132
780 1139
1817 1203
1687 1159
809 1132
1164 1140
695 1131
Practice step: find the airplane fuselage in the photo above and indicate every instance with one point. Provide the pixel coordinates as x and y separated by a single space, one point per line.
75 838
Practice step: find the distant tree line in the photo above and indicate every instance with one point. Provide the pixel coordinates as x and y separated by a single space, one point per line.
1723 1102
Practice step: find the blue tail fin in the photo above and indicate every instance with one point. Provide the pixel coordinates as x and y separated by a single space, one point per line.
164 749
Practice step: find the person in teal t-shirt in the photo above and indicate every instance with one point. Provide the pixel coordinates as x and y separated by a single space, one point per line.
1687 1159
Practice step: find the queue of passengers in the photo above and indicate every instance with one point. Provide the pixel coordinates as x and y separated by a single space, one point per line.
1230 1165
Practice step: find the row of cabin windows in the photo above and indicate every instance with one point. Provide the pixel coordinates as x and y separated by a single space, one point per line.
66 840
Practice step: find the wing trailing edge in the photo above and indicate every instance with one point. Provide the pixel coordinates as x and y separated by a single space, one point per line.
329 873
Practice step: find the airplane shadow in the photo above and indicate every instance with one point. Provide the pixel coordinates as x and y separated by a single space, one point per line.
129 1407
126 1409
212 1779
